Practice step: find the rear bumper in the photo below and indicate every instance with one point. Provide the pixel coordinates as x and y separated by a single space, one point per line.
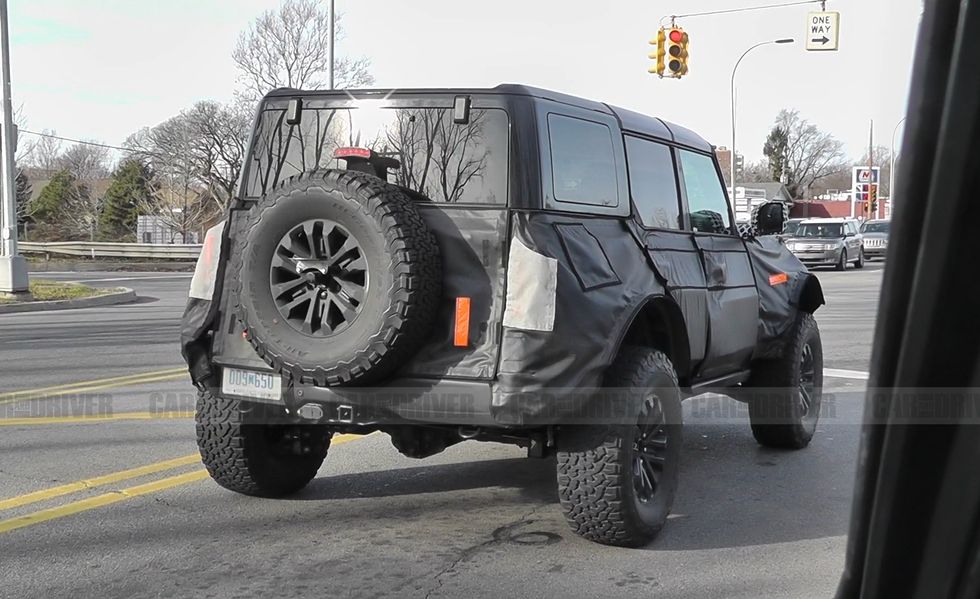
450 402
403 401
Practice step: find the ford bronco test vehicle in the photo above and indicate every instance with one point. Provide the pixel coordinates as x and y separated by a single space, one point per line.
507 264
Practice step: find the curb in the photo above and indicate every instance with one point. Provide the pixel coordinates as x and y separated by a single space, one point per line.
123 296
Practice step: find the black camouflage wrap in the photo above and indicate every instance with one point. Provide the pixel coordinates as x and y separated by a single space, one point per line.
728 301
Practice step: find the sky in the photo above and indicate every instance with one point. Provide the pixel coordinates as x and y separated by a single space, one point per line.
102 70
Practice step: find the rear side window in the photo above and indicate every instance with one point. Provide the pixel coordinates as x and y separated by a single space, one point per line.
582 163
705 196
653 184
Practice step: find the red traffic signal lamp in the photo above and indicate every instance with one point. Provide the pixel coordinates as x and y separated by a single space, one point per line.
677 53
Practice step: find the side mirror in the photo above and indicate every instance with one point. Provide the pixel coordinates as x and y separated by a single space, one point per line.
770 218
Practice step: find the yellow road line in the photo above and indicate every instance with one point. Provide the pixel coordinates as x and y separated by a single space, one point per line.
93 385
101 500
98 481
95 418
83 505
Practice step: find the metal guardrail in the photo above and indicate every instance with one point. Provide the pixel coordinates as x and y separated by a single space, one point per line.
91 249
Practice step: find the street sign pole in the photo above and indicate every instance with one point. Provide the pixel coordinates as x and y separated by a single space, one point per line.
13 268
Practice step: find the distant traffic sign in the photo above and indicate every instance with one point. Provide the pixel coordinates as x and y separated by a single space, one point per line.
822 30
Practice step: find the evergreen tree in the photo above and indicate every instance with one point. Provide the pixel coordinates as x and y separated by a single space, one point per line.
128 190
48 207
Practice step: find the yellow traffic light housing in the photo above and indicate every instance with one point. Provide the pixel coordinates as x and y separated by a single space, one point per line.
676 52
658 55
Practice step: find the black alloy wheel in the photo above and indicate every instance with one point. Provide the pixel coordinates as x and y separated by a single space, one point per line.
319 278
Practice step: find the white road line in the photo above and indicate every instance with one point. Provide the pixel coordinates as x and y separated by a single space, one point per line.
839 373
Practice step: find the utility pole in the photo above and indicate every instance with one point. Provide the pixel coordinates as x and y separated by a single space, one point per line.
13 267
333 40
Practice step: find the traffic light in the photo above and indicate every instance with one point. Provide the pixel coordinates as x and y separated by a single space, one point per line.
676 52
739 166
872 199
658 56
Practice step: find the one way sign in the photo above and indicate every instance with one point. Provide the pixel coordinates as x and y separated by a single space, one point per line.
822 30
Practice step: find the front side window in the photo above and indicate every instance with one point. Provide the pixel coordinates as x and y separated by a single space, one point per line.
442 160
652 183
706 201
582 161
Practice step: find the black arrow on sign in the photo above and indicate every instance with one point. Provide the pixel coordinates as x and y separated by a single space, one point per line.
820 40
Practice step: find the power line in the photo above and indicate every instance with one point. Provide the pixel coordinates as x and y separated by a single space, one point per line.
744 9
87 143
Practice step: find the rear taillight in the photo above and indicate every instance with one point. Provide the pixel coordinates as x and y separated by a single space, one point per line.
352 152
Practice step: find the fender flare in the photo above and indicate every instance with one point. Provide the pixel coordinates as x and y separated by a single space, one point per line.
662 308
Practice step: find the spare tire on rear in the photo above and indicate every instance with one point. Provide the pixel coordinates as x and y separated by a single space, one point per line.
340 278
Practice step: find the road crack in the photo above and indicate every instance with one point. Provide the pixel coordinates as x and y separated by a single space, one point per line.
500 535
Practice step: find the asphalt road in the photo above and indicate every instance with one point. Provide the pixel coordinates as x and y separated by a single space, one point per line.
477 520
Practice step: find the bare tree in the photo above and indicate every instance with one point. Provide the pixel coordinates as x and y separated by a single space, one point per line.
80 213
757 172
46 153
289 47
86 162
179 199
218 136
88 165
809 153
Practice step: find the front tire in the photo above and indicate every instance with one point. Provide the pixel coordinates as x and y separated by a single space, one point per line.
785 409
617 484
842 263
261 459
859 263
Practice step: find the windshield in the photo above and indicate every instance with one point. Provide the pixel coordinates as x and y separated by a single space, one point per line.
439 158
791 227
820 230
876 227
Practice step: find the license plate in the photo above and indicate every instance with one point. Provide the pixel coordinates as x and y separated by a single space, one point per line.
248 383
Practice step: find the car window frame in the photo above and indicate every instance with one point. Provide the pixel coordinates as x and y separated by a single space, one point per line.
683 223
732 228
545 107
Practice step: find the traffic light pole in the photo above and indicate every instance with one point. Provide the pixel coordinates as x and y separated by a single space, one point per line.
13 268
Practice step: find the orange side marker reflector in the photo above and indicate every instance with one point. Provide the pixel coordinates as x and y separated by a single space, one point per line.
461 330
778 279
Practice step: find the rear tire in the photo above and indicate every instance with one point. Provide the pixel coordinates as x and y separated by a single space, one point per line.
265 460
617 484
786 407
842 263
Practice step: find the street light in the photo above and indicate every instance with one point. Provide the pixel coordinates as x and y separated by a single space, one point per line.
787 40
891 168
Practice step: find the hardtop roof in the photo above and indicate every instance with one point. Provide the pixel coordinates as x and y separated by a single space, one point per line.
629 120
